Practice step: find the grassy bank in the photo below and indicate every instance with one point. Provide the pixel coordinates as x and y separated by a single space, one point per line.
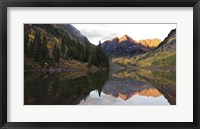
162 60
63 66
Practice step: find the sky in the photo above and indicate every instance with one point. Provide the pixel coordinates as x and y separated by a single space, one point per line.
103 32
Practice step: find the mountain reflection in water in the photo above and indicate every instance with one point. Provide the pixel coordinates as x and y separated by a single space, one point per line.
143 87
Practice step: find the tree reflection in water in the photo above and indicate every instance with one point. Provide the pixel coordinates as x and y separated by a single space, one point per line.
124 87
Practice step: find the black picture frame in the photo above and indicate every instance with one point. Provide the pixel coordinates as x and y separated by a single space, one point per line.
4 4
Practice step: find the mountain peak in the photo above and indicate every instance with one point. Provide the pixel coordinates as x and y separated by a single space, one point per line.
115 38
126 38
150 42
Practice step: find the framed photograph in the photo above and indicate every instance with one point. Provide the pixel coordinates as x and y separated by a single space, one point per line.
108 64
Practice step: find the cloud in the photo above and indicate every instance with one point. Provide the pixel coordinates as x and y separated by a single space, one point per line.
93 35
96 32
110 35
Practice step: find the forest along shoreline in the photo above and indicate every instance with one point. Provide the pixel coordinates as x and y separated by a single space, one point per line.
61 48
73 66
73 72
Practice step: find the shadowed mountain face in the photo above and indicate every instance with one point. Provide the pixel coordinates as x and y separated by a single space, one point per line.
169 43
124 46
73 32
60 31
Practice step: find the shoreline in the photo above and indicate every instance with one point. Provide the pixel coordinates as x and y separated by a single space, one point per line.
65 70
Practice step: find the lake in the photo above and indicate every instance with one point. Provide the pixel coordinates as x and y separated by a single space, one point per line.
125 87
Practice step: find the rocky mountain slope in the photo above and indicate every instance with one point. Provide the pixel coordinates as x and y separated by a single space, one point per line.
150 42
124 46
74 33
163 55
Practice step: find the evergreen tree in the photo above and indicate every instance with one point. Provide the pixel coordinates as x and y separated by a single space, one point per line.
94 57
70 53
63 47
66 54
81 57
26 39
102 59
78 51
56 54
99 55
90 61
31 48
44 50
36 48
87 50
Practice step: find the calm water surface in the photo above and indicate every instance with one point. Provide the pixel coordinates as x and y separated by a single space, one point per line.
141 87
